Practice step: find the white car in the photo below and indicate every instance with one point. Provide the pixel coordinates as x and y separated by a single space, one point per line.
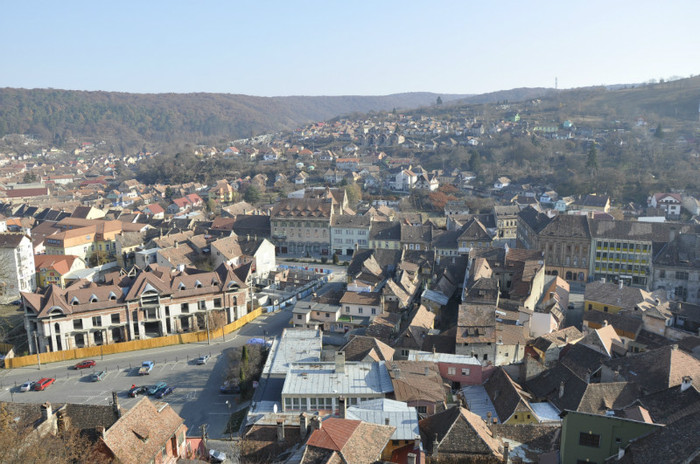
217 456
27 386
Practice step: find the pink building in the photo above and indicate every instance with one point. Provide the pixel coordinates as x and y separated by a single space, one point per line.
460 370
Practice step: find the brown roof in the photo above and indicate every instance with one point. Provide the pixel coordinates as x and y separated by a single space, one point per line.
355 442
142 432
359 348
361 298
416 381
458 432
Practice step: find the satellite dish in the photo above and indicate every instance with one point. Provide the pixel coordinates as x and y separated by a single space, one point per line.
274 408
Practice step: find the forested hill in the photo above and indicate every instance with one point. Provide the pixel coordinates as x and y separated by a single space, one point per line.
199 117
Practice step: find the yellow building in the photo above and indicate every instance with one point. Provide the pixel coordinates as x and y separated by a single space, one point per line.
613 298
51 269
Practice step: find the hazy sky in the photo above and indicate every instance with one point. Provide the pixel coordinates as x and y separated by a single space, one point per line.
343 47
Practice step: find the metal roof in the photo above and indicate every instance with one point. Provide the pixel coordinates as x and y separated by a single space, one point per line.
443 357
478 401
295 345
406 421
321 379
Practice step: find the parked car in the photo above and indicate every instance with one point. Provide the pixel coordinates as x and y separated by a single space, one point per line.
164 392
135 391
85 364
154 389
97 376
217 456
26 386
44 383
230 388
146 367
203 359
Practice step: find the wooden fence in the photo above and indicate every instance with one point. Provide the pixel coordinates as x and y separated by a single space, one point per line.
134 345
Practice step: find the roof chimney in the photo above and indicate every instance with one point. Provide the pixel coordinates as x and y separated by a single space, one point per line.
621 284
386 421
411 458
280 429
687 383
303 425
605 323
340 362
426 371
342 407
561 389
435 446
46 411
505 452
115 405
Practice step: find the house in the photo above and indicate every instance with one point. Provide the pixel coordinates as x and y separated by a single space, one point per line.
418 384
362 304
511 401
302 225
396 414
366 349
501 183
549 346
653 370
385 235
236 250
51 269
607 297
405 180
476 331
145 433
592 202
337 440
294 345
458 370
154 211
17 269
154 302
459 435
506 223
349 232
565 242
419 324
677 268
669 202
621 250
318 386
589 437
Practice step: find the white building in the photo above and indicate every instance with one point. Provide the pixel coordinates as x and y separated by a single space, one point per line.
17 273
348 231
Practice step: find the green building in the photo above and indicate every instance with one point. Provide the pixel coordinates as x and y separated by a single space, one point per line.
592 438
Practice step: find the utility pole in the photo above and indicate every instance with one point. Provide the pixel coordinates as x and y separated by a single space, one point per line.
206 322
36 342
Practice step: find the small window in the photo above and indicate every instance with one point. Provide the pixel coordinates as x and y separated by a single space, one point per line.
116 319
97 321
466 371
591 440
77 324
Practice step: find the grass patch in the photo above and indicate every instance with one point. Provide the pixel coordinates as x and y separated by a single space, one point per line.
235 421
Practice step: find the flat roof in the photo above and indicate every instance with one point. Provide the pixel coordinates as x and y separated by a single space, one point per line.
294 345
443 357
321 379
406 422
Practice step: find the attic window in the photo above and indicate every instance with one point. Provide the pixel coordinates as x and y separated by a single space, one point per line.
198 284
214 282
74 301
93 298
181 286
112 296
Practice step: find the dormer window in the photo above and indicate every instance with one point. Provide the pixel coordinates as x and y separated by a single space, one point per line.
93 298
112 296
181 286
75 301
198 284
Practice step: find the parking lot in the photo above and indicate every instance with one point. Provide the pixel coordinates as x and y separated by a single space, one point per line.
196 396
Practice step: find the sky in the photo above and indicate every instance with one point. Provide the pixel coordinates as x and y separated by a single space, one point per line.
334 47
